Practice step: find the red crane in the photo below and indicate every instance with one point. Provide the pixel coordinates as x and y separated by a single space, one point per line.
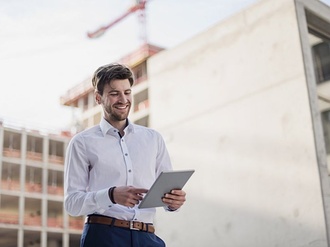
139 6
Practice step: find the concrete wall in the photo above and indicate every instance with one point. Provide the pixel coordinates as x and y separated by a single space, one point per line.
232 103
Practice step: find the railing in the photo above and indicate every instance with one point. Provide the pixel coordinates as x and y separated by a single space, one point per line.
32 220
54 190
32 187
10 152
55 222
76 92
76 223
34 156
7 218
10 185
15 153
140 54
56 159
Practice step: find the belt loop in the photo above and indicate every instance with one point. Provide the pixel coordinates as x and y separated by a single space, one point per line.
87 219
112 222
147 226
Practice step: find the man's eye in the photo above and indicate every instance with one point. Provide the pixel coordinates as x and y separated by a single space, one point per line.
114 94
128 93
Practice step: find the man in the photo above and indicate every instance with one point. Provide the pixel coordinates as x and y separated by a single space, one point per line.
110 166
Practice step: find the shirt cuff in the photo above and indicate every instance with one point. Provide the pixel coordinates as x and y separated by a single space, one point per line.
102 199
171 210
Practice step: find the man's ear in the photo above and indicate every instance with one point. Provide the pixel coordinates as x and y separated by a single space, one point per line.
97 97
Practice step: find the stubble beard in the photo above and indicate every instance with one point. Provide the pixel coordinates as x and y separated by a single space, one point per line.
117 117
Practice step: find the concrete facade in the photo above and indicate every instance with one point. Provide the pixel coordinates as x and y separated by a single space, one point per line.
234 104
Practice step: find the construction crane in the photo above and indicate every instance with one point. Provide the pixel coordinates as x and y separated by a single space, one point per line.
140 6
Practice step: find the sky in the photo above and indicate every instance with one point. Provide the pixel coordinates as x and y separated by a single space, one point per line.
45 51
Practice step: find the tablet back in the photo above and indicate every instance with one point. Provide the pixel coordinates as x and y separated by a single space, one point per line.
166 181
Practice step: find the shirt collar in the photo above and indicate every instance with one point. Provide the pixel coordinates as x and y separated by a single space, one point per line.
106 127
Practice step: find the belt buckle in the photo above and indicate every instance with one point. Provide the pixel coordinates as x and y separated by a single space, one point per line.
131 226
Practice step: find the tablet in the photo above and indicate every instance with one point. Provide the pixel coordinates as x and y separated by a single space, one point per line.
166 181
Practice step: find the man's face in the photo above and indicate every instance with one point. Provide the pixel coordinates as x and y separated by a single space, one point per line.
116 100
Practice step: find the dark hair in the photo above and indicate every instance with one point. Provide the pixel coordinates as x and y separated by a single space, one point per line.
109 72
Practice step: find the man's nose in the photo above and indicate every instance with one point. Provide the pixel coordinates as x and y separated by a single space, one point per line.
122 98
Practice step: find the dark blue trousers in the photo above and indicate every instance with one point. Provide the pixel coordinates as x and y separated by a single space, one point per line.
99 235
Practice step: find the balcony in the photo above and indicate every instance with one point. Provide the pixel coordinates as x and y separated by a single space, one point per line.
14 185
76 223
8 218
56 159
33 187
12 153
9 184
55 190
33 156
32 220
55 222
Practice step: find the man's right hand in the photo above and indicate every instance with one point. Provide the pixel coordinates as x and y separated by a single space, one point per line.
128 196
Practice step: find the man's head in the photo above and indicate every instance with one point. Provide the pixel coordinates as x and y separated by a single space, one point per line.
112 84
106 73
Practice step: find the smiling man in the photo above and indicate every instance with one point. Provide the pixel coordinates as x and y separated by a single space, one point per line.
110 166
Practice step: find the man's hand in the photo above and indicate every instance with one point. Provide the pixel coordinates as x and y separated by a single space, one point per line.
128 195
175 199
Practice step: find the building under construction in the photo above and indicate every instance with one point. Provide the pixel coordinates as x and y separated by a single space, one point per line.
245 104
31 192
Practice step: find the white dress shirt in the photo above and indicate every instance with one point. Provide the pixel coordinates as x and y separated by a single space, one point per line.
99 158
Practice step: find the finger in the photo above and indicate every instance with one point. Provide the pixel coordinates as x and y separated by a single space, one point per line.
173 203
139 190
133 203
136 197
174 197
178 192
133 200
130 203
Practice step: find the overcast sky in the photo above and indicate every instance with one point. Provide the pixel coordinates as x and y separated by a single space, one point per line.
44 49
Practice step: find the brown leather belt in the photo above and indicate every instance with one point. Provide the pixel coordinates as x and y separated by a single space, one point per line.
132 225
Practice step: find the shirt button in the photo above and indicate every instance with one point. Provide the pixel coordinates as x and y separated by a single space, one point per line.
126 154
129 170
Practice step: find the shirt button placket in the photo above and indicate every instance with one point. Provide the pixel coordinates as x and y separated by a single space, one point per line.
128 163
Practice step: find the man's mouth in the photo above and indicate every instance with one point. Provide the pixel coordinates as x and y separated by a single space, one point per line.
122 107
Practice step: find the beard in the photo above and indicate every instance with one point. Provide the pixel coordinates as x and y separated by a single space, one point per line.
116 115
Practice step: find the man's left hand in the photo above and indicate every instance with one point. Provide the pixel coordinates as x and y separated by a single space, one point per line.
175 199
